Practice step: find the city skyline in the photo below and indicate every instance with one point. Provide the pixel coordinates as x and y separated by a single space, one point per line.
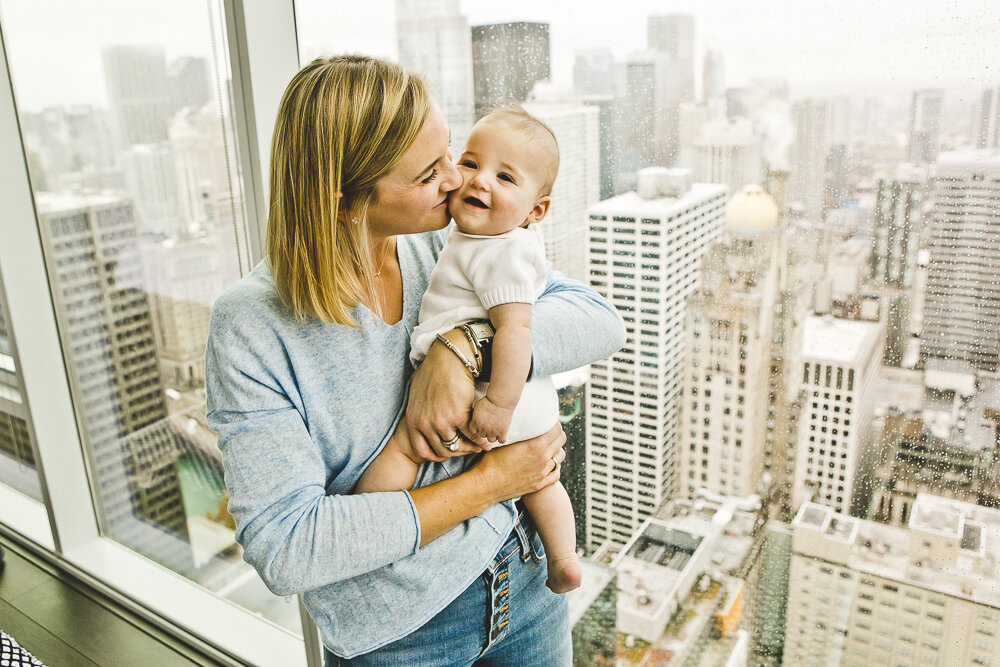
949 45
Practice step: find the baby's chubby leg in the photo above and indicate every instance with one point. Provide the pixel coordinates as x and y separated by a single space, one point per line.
552 513
394 469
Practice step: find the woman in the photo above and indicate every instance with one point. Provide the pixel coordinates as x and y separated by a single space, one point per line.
307 378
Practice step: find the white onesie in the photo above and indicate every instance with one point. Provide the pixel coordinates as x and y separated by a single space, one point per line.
473 274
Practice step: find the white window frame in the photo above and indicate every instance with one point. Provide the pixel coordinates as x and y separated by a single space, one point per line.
263 54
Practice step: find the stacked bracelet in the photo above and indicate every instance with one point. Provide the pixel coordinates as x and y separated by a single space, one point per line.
475 345
458 353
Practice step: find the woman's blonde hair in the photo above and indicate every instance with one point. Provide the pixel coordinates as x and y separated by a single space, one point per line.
342 124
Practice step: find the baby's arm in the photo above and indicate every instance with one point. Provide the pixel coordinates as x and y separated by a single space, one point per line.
511 352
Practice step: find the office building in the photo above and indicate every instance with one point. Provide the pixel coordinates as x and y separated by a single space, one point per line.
103 312
202 161
645 253
925 125
840 362
577 187
138 88
722 151
946 445
863 593
962 308
508 59
17 455
728 326
594 71
808 158
434 40
896 226
987 120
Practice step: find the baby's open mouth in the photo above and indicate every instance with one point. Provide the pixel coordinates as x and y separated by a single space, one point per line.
472 201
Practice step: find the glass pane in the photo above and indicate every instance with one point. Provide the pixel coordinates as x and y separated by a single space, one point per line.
126 114
17 456
797 217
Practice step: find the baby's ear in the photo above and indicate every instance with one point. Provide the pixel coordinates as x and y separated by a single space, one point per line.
540 211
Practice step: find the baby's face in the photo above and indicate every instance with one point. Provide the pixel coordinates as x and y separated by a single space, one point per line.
501 182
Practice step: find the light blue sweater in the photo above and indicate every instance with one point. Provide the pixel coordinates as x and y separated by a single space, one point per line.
302 407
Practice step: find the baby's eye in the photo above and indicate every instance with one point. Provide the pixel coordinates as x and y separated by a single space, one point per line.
505 177
467 163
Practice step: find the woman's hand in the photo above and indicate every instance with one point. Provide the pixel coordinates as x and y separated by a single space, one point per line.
523 467
440 403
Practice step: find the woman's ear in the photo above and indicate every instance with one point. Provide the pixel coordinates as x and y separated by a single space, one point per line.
540 211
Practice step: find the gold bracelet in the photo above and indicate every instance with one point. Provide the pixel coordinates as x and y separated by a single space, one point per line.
473 371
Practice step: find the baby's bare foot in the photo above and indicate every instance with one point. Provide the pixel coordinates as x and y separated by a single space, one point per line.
564 573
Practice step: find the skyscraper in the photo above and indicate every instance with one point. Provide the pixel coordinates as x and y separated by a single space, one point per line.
103 313
17 456
202 160
645 252
150 176
189 83
594 71
840 359
655 89
808 153
925 125
860 592
987 129
138 93
673 35
577 186
724 151
962 309
713 83
434 40
728 324
508 59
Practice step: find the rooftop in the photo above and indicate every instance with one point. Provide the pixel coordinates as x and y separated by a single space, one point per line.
49 202
838 341
969 571
631 204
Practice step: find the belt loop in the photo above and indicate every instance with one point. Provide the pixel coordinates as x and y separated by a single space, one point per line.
522 537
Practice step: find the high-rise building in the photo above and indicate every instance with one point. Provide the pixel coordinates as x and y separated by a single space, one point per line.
508 59
577 187
724 151
947 445
962 308
608 111
17 456
840 366
645 253
808 155
863 593
713 83
150 176
189 83
728 324
987 128
772 595
925 125
103 313
896 226
183 279
434 40
655 89
138 92
673 35
594 71
202 160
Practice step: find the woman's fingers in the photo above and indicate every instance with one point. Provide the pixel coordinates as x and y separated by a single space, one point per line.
421 447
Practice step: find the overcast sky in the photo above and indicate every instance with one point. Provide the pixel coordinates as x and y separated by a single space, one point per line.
54 45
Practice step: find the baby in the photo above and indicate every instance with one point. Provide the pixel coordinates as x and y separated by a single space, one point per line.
493 265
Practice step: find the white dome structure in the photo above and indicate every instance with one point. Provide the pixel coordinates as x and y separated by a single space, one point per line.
751 211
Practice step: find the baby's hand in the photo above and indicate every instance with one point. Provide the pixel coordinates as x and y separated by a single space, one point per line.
490 421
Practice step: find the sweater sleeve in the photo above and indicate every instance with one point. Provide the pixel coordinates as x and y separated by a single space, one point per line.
506 270
571 326
296 535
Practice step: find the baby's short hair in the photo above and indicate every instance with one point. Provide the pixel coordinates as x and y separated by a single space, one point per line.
521 120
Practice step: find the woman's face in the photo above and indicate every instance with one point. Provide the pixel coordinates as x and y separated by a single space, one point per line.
413 196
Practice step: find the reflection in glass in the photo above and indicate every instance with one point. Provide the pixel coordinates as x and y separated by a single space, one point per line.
17 457
141 217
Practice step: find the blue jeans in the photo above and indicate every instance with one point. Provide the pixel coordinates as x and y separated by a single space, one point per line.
507 617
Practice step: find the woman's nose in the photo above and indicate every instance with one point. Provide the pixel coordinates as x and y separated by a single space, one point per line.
451 177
